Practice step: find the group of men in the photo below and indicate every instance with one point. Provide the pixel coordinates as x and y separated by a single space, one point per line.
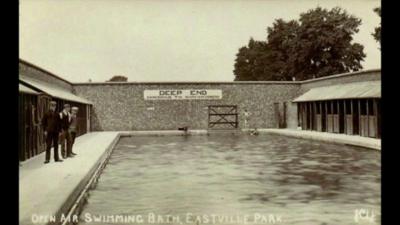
60 127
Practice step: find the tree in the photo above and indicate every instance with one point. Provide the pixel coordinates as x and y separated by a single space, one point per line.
250 60
281 40
318 44
118 78
377 33
323 45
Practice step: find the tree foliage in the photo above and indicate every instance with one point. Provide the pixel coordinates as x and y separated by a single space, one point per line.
377 33
118 78
249 61
316 45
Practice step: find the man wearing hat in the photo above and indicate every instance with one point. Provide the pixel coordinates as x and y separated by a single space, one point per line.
51 127
64 137
73 127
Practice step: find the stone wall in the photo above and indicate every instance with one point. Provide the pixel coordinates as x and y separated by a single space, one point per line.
121 106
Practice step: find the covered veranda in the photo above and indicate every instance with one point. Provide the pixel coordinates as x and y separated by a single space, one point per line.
352 109
34 98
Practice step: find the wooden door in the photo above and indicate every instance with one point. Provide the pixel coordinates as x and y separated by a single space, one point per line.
335 118
364 125
349 124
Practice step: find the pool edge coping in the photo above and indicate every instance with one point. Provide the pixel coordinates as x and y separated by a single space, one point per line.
79 195
337 139
317 136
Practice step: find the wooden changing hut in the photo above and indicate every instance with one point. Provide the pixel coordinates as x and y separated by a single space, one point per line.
352 109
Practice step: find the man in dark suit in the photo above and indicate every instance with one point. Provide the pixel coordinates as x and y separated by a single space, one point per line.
51 127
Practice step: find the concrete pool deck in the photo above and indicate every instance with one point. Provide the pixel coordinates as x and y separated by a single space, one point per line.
366 142
48 189
51 189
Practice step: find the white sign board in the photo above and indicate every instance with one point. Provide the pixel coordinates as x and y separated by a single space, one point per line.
176 94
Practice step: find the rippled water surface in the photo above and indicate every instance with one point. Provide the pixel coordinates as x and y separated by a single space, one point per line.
227 179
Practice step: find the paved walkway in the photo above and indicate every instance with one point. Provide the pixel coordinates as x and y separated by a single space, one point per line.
44 189
366 142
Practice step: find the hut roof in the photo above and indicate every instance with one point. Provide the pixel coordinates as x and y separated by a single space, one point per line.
53 90
24 89
356 90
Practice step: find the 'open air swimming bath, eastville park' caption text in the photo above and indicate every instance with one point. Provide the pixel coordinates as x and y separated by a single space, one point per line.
153 218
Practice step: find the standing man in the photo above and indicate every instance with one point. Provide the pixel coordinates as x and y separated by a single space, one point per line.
64 137
51 127
246 118
73 127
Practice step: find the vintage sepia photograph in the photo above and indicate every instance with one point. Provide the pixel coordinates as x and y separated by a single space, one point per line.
222 112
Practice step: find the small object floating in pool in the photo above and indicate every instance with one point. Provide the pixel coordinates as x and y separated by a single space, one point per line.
254 132
184 129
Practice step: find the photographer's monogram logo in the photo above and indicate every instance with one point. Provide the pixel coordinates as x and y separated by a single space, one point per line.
364 215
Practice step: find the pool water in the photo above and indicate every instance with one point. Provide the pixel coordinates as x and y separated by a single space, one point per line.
228 179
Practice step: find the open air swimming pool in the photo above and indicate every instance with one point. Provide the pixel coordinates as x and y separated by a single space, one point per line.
228 179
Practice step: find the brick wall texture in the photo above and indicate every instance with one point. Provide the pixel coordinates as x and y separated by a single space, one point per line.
121 106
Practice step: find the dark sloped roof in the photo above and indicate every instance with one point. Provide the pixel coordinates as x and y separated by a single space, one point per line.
367 89
53 91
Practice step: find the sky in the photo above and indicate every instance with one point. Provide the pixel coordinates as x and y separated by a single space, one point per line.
158 40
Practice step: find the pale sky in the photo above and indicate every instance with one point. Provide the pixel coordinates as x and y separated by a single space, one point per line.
162 40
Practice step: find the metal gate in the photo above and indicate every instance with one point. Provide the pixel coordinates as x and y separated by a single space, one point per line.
222 117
